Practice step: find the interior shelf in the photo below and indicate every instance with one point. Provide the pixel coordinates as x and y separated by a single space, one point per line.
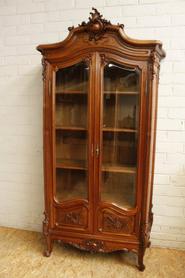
58 92
105 129
122 92
71 164
77 128
118 168
111 129
105 92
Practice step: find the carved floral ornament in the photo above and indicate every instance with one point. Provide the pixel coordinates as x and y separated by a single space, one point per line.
46 224
43 69
96 26
73 217
154 64
94 245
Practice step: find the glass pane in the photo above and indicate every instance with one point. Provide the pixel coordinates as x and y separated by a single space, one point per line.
71 148
119 188
70 184
120 111
72 132
120 135
119 148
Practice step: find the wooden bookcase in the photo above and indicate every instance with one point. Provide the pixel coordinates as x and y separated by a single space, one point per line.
100 105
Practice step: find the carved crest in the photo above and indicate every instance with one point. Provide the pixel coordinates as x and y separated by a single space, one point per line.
96 26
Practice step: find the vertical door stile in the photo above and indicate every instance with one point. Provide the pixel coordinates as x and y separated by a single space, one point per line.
97 144
72 136
145 107
91 128
118 94
141 148
47 143
51 95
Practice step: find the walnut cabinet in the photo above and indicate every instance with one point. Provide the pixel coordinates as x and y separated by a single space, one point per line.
100 104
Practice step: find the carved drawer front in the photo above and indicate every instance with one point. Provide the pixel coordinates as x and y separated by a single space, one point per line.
116 223
77 217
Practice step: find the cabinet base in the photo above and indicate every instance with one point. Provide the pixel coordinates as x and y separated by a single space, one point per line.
97 245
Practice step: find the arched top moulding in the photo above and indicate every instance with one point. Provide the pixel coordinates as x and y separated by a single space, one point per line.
99 34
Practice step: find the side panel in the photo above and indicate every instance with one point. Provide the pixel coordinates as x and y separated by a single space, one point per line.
47 146
151 106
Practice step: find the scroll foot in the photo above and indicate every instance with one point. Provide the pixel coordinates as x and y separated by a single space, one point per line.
141 266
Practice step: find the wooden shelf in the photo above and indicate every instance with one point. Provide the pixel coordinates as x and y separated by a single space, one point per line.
105 92
111 129
71 164
122 92
117 168
70 92
75 128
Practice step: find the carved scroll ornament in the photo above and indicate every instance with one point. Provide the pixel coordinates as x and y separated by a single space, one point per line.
43 69
96 26
73 218
46 224
154 65
118 224
91 245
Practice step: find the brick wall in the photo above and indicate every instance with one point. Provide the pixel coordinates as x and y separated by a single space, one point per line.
24 25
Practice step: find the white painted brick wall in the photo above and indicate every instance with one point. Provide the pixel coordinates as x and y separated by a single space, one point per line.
24 25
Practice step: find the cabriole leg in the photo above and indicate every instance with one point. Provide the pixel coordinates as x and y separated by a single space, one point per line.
49 246
49 241
141 252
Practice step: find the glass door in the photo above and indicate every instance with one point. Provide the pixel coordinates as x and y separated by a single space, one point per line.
119 133
71 132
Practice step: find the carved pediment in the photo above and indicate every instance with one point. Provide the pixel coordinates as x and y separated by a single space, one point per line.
100 32
96 26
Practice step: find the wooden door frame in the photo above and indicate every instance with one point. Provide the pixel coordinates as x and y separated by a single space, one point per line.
102 59
53 203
